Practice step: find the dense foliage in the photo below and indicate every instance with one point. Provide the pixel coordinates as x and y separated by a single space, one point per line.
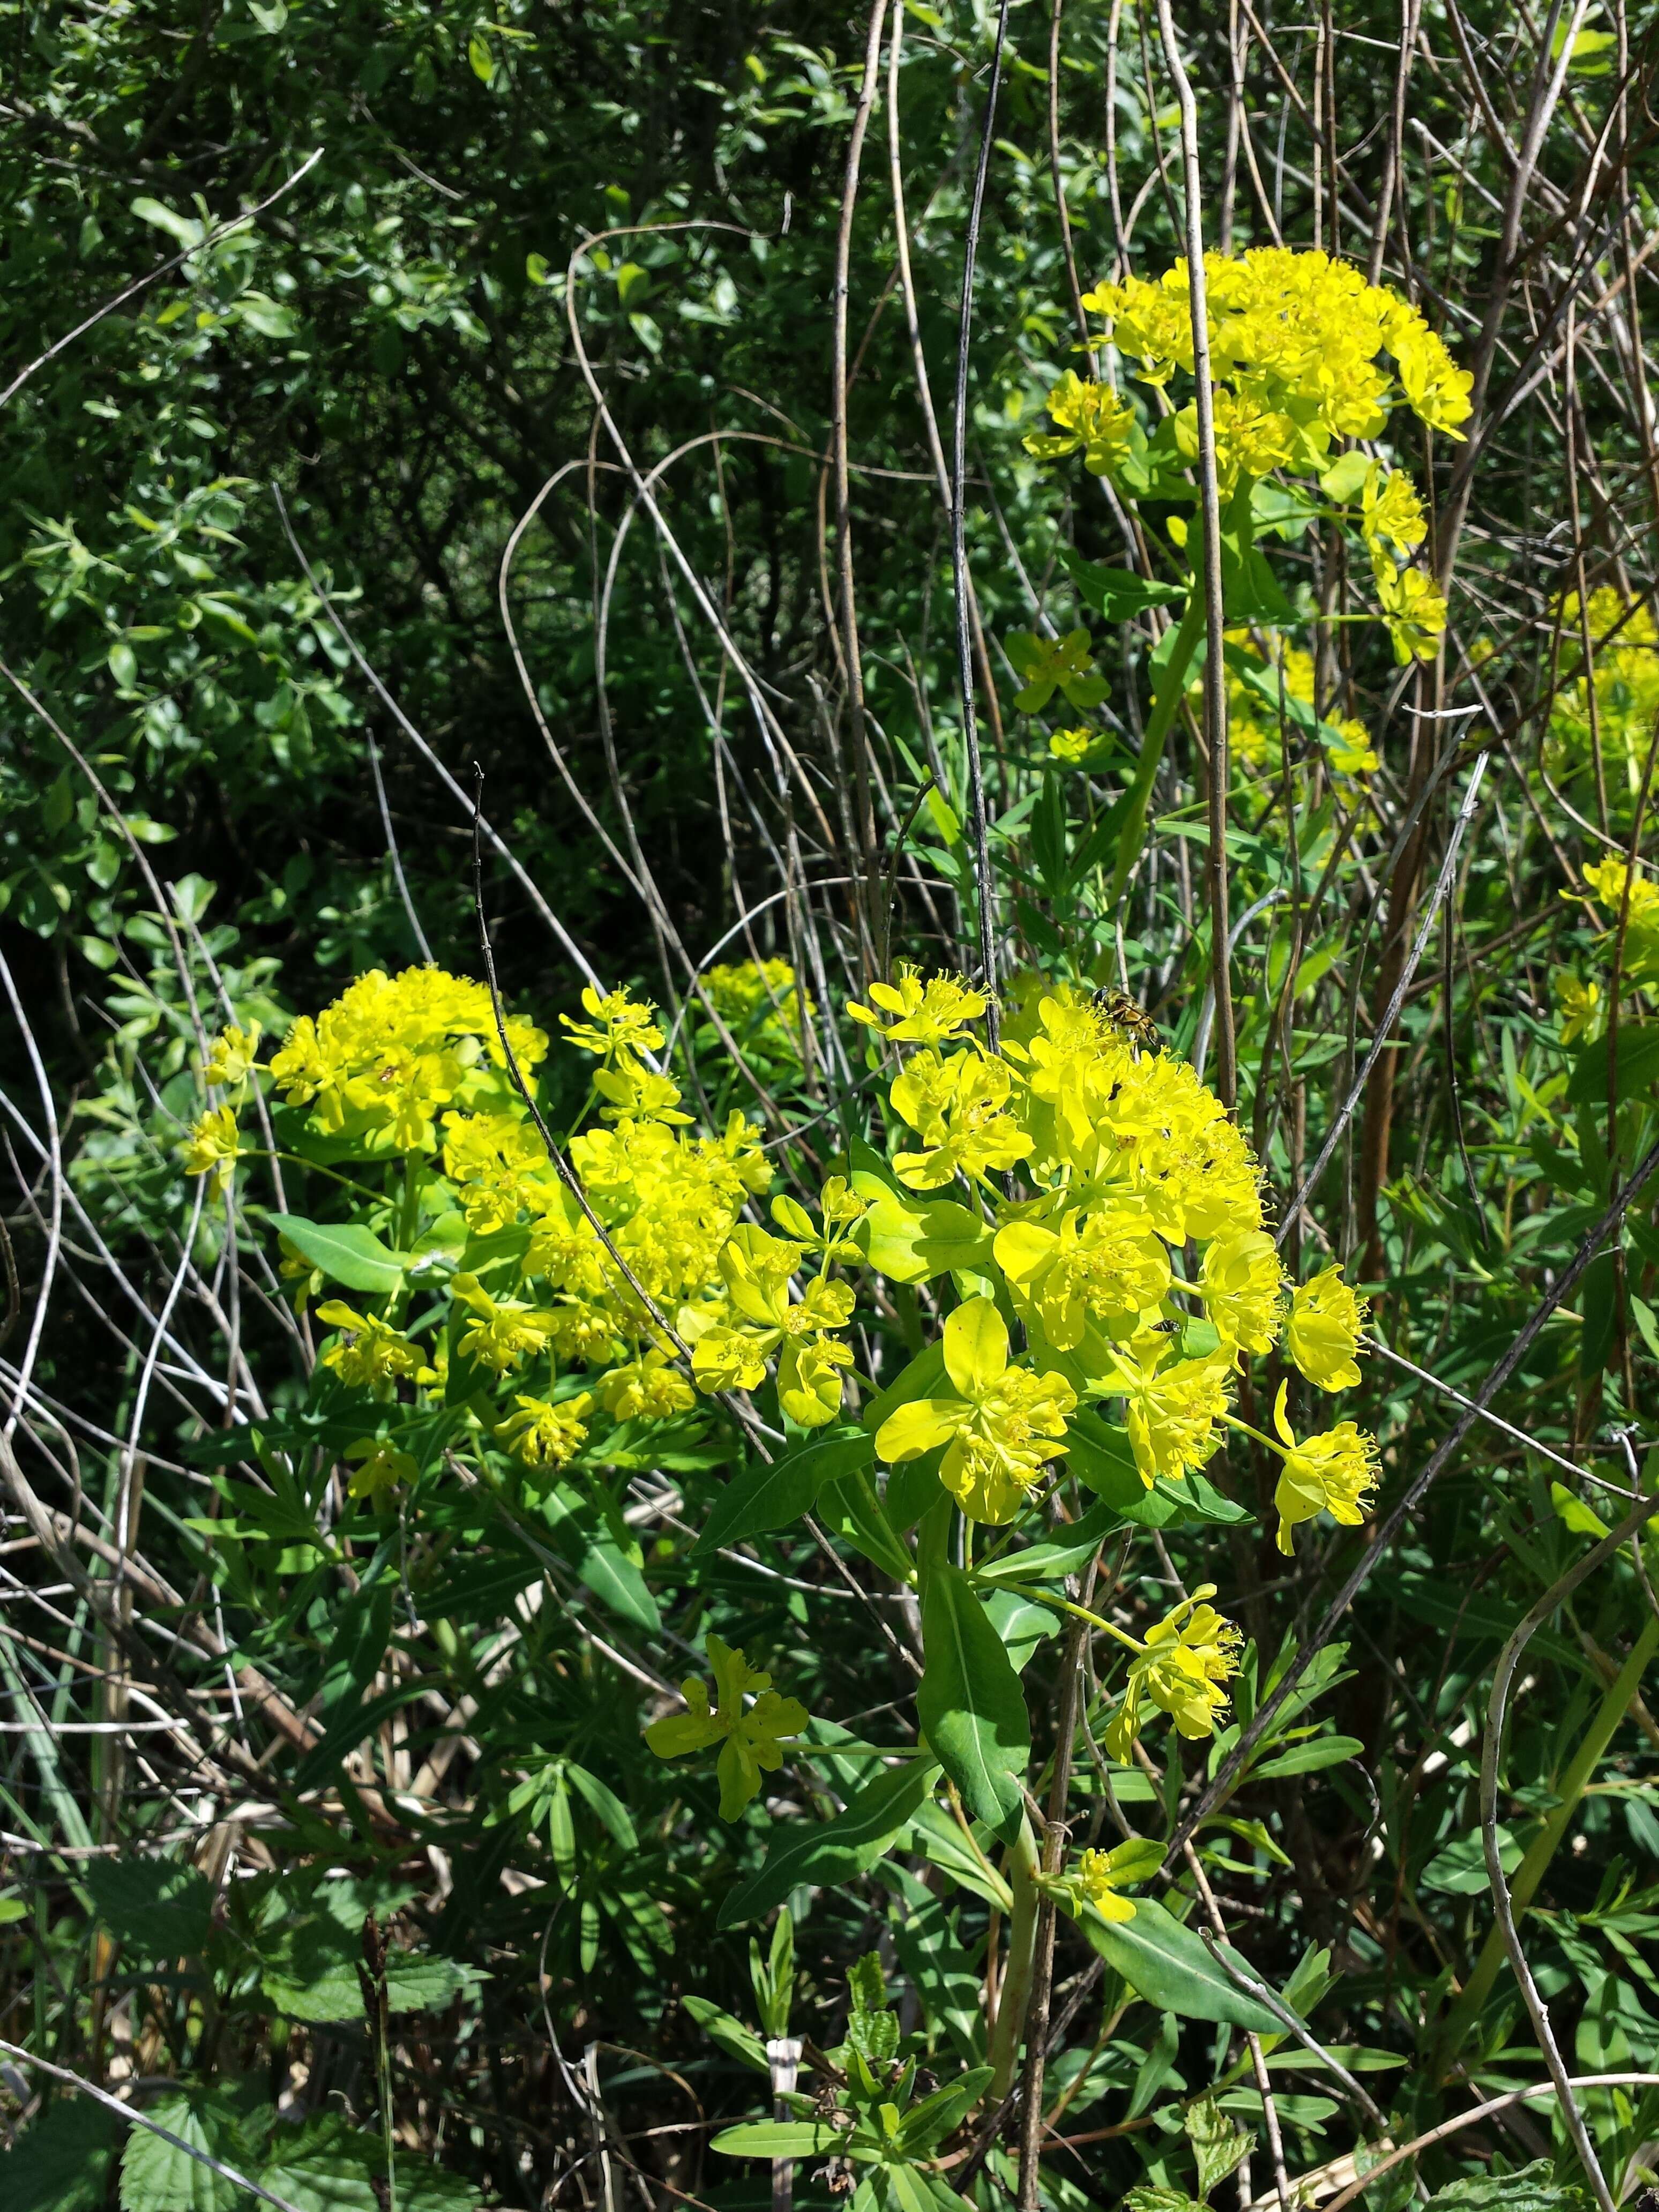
662 1541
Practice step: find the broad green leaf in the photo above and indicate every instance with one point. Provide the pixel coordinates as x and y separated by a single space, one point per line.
157 2176
834 1850
1639 1065
158 1909
345 1252
850 1508
913 1240
324 2165
426 1984
971 1707
1532 2189
62 2160
1051 1563
762 1498
1168 1965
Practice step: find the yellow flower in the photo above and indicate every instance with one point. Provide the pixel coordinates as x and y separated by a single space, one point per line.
295 1269
998 1431
1240 1282
1103 1267
619 1024
1581 1009
502 1332
1098 1876
1415 612
914 1012
1606 879
212 1148
810 1379
1353 752
1052 663
757 1269
231 1056
545 1436
637 1095
750 1741
646 1389
1322 1333
1332 1473
1391 511
1170 1413
1188 1660
383 1468
959 1108
759 1002
1075 748
1089 417
369 1353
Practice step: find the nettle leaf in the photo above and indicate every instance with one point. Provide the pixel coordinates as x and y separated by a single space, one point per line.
835 1851
324 2165
969 1702
1165 1962
1532 2189
158 1909
157 2176
345 1252
1218 2144
62 2161
762 1498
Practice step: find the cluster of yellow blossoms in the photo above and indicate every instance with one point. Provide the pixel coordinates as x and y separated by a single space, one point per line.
1295 342
1613 712
410 1069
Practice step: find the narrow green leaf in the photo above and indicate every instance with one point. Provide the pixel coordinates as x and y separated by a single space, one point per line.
970 1704
762 1498
835 1851
1167 1964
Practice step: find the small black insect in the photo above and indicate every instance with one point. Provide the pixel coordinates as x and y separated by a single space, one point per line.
1118 1008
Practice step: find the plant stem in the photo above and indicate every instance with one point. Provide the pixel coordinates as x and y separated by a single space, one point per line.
1017 1974
1533 1867
1165 701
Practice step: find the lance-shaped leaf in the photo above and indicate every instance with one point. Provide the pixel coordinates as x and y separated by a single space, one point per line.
970 1704
836 1850
763 1497
345 1252
1166 1963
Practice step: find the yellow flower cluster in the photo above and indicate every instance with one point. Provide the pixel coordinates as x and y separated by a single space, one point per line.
379 1065
1621 692
1253 731
760 1004
1614 889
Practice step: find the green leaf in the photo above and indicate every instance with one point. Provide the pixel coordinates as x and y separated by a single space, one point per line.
158 1909
936 2117
850 1508
62 2160
1117 594
483 61
345 1252
1218 2144
1639 1065
1532 2189
426 1984
777 2139
158 2177
179 227
1165 1962
835 1851
1042 1562
969 1702
762 1498
1307 1758
737 2041
911 1241
324 2165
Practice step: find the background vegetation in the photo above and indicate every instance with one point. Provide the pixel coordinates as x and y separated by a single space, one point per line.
505 434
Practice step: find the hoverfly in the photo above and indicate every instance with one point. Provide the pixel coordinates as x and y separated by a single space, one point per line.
1122 1011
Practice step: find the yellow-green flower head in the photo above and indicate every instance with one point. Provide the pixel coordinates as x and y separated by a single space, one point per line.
1413 610
1352 753
1390 510
1170 1412
751 1740
1608 880
1054 664
295 1269
618 1023
382 1469
759 1002
545 1436
1075 748
1332 1473
501 1331
910 1011
649 1389
636 1094
757 1269
1582 1016
391 1051
1324 1332
959 1109
1000 1428
369 1353
1104 1265
231 1056
1190 1657
1622 694
1089 419
1239 1283
213 1148
1098 1878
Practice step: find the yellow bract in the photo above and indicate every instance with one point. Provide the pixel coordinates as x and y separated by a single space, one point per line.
1189 1658
1001 1426
545 1436
369 1353
212 1148
909 1012
1323 1331
751 1740
1332 1473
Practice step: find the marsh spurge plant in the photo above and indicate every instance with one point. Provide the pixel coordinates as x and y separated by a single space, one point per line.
1022 1323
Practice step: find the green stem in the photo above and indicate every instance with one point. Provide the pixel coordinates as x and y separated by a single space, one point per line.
1166 700
1010 2030
1081 1612
1533 1867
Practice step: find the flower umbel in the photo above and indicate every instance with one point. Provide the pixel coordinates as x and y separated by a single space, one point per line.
1003 1424
1188 1660
212 1149
910 1011
751 1740
1332 1473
